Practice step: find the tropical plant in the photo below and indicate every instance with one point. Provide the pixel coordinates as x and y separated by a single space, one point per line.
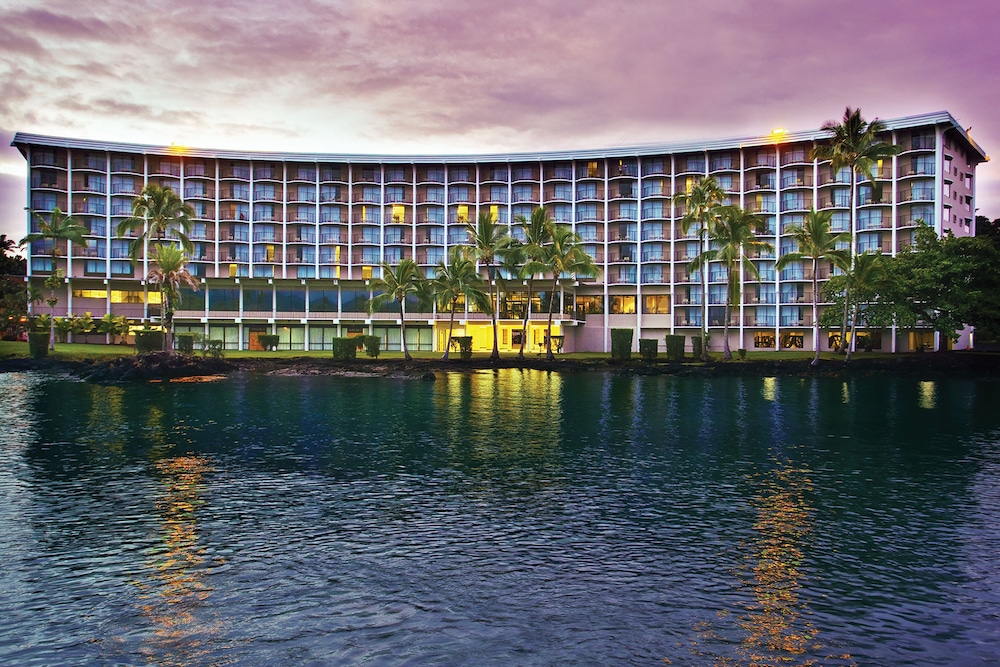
59 227
170 272
113 325
537 234
731 237
157 213
816 243
854 144
489 241
564 256
702 203
454 281
862 284
397 283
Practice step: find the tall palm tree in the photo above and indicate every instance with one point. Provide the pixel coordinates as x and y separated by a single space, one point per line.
861 283
59 227
816 243
855 144
537 234
157 213
564 255
396 284
454 281
489 240
702 203
169 271
732 235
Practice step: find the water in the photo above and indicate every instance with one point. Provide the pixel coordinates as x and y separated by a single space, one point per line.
501 518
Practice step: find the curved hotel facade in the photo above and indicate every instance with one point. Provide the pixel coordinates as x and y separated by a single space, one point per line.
288 243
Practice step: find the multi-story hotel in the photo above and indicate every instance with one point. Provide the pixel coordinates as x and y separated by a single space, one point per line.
288 243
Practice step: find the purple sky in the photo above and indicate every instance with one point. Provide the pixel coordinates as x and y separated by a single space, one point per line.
404 76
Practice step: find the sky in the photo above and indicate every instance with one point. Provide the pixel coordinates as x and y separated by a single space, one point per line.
473 76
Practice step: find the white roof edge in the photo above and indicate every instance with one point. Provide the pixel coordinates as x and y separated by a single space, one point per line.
935 118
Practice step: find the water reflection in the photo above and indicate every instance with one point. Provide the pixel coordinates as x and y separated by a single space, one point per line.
928 395
176 587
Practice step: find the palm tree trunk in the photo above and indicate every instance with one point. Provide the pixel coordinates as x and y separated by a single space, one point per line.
854 326
494 306
402 331
854 226
524 325
726 352
451 328
52 325
815 361
548 330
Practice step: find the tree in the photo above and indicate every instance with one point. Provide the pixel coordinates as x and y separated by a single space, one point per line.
702 203
454 281
396 284
564 256
732 235
169 271
537 234
489 241
59 227
113 325
855 144
862 284
157 213
11 264
13 291
816 243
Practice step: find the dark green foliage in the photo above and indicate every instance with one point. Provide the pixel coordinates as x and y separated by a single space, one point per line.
38 344
215 348
268 341
648 348
696 346
742 352
464 346
148 341
345 349
621 344
185 343
675 348
373 345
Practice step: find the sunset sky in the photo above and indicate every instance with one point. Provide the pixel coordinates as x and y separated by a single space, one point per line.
448 76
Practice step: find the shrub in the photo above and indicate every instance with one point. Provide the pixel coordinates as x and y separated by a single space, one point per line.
38 344
464 346
621 344
185 343
268 341
648 348
696 347
215 348
675 348
147 340
742 352
345 349
373 345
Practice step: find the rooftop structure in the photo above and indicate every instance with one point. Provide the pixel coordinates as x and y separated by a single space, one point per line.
287 243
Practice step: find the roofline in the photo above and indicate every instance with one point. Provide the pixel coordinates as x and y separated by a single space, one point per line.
23 139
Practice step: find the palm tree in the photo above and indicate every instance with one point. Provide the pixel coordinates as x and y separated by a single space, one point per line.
855 144
817 243
396 284
489 240
702 203
537 233
169 271
564 255
57 228
732 235
860 284
455 280
157 213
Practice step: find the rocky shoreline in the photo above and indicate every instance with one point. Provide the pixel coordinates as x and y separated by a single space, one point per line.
164 368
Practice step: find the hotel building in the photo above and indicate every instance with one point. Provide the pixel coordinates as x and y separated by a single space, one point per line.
288 243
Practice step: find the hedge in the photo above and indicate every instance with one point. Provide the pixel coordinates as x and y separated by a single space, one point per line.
696 347
648 348
185 343
464 346
268 341
621 344
345 349
148 341
38 344
675 347
372 345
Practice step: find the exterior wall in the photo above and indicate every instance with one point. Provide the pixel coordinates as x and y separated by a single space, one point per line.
299 225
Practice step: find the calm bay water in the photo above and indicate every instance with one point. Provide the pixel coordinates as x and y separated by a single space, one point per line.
508 518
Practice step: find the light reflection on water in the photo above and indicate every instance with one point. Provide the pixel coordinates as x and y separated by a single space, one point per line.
500 517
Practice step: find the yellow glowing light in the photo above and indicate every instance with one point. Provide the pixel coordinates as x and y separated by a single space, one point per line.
778 131
176 149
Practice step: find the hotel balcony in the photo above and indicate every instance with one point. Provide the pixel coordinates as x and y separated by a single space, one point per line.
199 170
48 180
197 191
762 159
164 168
333 174
558 172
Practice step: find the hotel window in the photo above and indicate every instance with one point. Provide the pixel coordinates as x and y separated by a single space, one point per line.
652 209
656 304
725 182
258 299
523 193
586 191
122 164
290 300
654 166
562 213
870 218
589 305
323 301
923 164
370 195
458 174
563 191
458 193
434 194
435 175
622 304
395 193
395 174
498 193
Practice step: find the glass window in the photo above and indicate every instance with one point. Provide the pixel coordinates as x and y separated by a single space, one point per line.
354 301
622 304
223 299
656 304
589 305
290 300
